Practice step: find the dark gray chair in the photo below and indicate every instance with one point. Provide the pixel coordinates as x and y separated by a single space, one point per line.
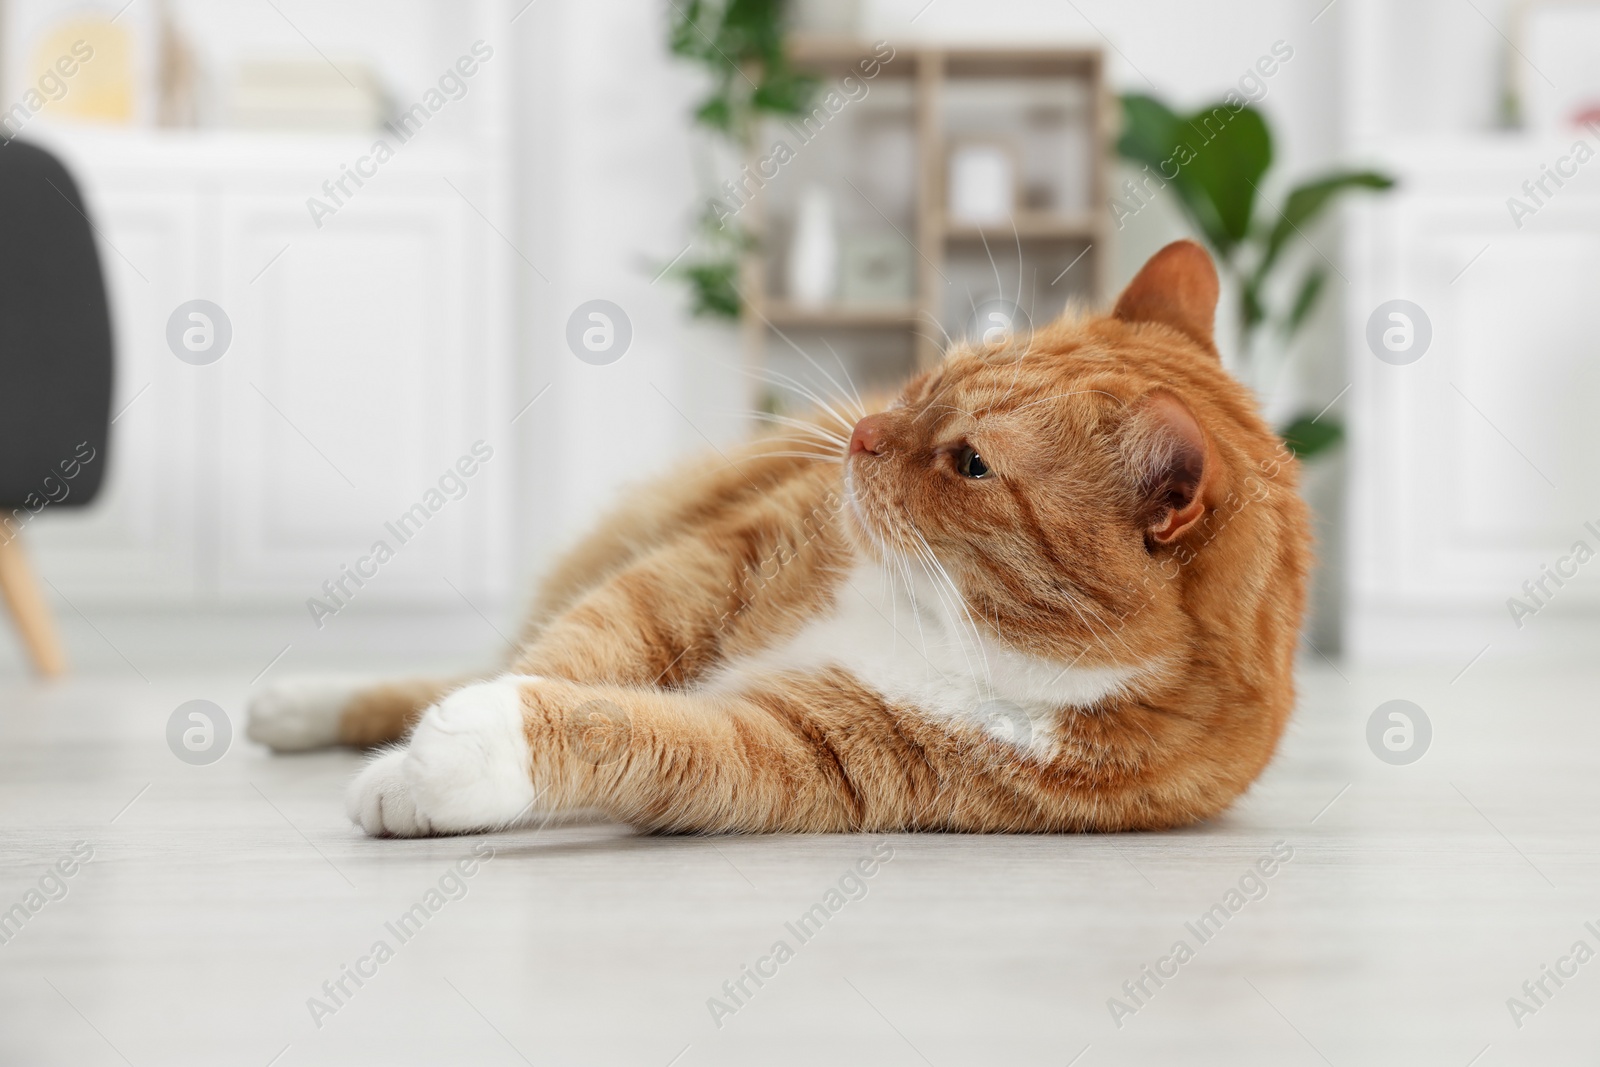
55 371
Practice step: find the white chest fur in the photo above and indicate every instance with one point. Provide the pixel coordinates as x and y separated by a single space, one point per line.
911 641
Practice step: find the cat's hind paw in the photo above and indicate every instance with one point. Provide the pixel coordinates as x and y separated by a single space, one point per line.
299 714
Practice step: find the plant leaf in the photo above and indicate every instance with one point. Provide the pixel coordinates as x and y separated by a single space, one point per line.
1306 435
1212 159
1304 300
1251 313
783 92
1148 130
687 36
712 286
716 112
1153 135
1308 200
1232 150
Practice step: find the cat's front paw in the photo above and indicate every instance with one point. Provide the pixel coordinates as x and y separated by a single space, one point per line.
465 769
380 801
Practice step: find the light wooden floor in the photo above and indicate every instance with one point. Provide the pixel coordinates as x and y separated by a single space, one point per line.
220 898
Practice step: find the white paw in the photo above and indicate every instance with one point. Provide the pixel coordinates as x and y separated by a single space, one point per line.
379 800
465 768
300 713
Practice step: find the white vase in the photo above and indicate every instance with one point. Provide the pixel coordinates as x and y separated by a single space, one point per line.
835 18
814 252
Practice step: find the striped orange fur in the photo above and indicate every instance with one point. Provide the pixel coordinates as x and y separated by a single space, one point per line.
1134 530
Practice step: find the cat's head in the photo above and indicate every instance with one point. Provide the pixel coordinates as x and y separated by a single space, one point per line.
1100 491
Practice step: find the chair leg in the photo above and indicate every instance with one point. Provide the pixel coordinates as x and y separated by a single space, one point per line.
28 608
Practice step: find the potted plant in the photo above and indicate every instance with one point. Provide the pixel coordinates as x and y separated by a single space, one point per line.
1215 161
740 43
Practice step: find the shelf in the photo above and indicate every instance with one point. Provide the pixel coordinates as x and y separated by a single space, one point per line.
1028 228
843 55
824 53
1021 62
840 316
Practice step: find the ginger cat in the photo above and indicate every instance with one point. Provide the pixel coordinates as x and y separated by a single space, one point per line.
1055 586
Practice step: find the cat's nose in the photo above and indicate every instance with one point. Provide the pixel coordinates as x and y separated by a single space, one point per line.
868 436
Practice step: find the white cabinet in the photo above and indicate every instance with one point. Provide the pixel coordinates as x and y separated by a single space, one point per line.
367 356
1473 466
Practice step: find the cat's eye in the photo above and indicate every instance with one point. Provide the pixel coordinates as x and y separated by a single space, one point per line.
969 464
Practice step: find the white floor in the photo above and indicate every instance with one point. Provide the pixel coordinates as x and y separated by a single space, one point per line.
220 898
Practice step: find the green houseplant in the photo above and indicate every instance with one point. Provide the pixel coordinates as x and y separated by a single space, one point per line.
1215 160
740 44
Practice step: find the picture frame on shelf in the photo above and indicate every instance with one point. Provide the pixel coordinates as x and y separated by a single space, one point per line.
984 181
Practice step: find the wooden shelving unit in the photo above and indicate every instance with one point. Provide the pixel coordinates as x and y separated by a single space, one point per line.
1029 226
781 313
933 91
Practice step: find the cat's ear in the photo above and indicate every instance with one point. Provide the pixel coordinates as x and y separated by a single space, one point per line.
1178 288
1174 464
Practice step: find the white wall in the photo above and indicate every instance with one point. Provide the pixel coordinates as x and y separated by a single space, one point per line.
606 184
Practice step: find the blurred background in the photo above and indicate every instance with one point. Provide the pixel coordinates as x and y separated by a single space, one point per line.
448 277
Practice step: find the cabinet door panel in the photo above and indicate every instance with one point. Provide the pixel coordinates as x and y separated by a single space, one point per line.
351 391
1474 464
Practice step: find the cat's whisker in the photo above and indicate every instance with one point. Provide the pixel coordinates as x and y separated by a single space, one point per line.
892 556
821 457
998 284
812 445
886 557
1017 236
811 394
916 609
943 347
961 602
820 446
798 454
803 353
861 405
844 395
786 381
1016 375
964 612
886 592
894 596
956 608
811 430
931 317
772 377
826 404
